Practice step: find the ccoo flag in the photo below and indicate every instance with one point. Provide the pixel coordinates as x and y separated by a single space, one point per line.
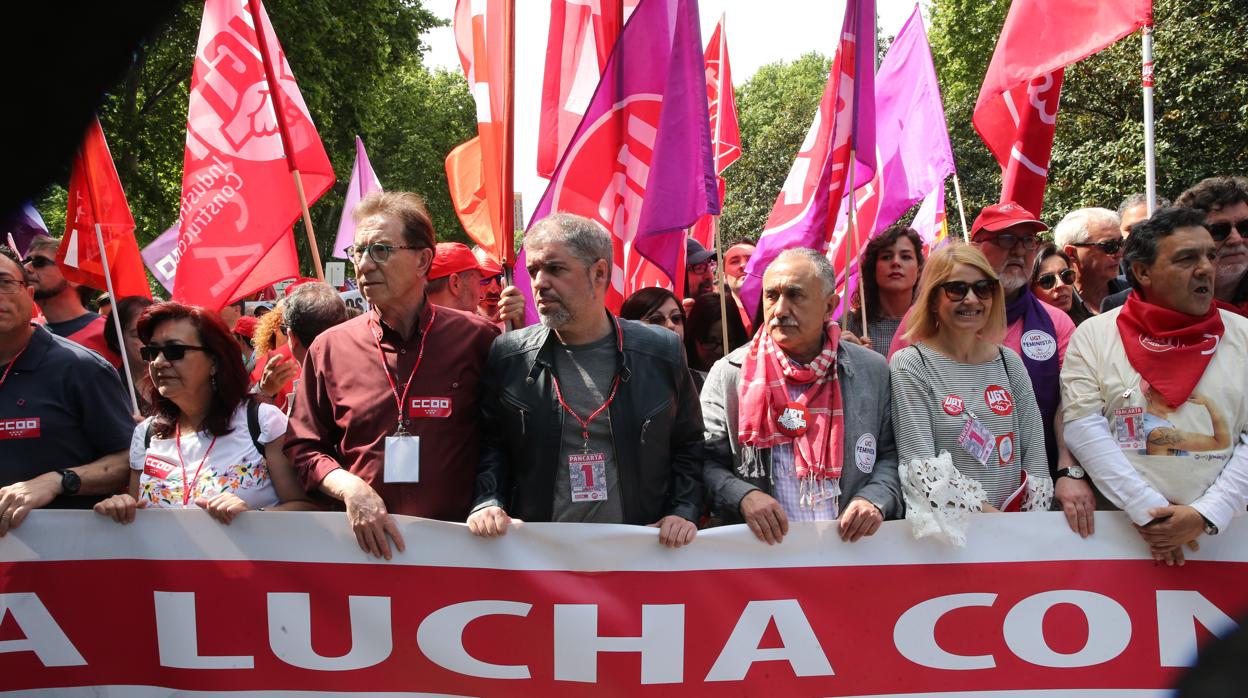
1016 112
96 198
247 129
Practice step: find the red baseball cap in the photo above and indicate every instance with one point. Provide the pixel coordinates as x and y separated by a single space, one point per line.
1004 215
246 326
453 258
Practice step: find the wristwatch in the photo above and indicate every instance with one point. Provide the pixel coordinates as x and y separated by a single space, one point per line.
70 482
1074 472
1210 529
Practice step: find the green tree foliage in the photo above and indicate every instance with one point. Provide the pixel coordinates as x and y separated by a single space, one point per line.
774 108
1201 101
358 64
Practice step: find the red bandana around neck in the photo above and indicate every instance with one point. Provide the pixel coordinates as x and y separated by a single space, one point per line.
764 397
1170 349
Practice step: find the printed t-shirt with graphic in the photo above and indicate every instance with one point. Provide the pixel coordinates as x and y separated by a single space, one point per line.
1098 379
933 398
234 465
586 374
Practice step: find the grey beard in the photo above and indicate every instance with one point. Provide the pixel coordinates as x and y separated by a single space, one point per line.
557 319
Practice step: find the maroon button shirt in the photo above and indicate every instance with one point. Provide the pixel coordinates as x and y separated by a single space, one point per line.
345 408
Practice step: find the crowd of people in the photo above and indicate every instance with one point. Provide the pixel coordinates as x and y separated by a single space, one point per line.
1101 370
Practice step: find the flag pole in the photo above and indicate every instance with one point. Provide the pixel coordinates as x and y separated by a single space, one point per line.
1150 148
719 241
121 338
275 91
957 191
13 246
507 246
852 242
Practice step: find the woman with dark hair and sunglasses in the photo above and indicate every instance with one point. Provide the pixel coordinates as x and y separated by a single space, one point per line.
128 310
968 430
655 306
890 264
1053 281
207 444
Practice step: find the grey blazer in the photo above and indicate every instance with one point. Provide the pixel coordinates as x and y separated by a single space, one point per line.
731 472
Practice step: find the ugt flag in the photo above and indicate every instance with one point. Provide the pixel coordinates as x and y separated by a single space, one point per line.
247 129
805 212
96 199
640 163
1016 113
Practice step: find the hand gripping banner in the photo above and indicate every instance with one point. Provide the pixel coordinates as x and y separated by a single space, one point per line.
287 602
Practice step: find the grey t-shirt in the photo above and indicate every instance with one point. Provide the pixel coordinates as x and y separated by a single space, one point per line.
586 373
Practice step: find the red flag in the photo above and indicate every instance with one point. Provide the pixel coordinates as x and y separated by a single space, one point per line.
478 170
96 198
581 35
243 139
725 133
1016 113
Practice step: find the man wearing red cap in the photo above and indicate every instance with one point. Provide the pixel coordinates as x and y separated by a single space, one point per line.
1008 235
454 278
491 285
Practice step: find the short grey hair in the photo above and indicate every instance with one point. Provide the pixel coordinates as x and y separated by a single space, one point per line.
823 268
312 308
1074 227
1140 199
586 239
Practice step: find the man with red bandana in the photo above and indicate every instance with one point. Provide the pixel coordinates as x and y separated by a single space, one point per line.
1154 400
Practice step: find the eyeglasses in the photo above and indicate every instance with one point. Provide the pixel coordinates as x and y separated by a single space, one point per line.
497 278
378 252
38 262
172 352
1048 281
11 286
1221 231
701 267
1007 241
1109 247
956 290
677 319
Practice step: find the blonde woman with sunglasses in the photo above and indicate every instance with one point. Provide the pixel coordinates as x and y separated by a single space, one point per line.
969 432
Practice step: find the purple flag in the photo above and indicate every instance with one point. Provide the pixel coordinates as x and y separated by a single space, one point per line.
805 212
161 257
913 139
23 224
640 163
363 182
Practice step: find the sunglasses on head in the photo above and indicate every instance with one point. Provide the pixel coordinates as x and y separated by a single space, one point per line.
1048 281
1221 231
172 352
1109 247
957 290
39 261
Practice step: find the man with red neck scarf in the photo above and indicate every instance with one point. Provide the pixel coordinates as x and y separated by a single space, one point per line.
1154 399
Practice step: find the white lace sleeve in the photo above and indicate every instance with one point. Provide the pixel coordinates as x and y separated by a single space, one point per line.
1038 494
939 499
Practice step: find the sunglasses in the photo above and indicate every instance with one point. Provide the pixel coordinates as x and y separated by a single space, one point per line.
957 290
39 262
1109 247
1007 241
497 278
1221 231
1048 281
172 352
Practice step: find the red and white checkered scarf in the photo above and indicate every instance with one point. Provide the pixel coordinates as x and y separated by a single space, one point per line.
818 453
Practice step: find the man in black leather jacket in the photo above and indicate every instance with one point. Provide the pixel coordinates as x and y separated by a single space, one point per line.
587 417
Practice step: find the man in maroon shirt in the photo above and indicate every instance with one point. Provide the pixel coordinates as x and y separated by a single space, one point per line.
385 417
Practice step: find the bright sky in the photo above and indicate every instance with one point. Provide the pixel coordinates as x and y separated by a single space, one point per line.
759 32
